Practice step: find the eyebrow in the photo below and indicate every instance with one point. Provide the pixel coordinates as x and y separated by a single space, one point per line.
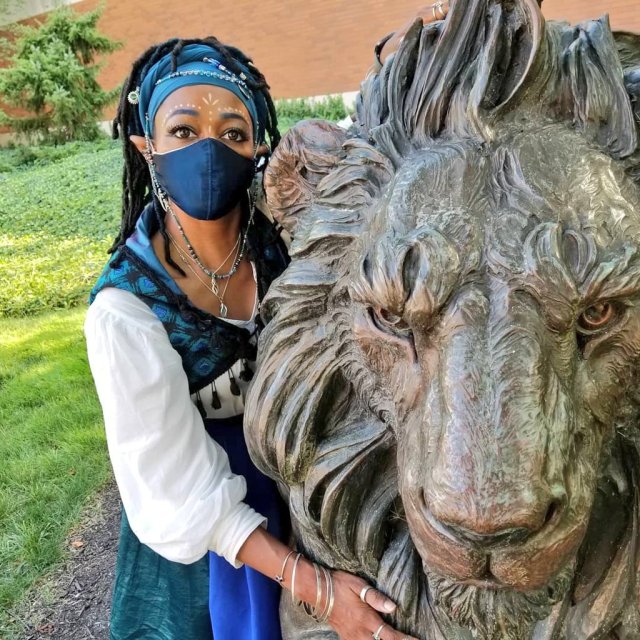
230 115
183 112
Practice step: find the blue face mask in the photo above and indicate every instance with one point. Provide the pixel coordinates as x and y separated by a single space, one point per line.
206 180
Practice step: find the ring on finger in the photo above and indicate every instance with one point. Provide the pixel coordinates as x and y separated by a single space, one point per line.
363 593
376 635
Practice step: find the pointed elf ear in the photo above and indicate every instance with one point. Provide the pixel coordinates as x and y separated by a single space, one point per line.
306 154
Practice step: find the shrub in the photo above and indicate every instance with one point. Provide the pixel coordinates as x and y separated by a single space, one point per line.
52 77
57 220
291 111
25 156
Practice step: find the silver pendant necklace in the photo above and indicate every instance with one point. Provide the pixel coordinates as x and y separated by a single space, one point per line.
213 289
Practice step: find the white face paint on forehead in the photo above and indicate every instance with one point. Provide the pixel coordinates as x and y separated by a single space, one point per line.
176 108
210 101
232 110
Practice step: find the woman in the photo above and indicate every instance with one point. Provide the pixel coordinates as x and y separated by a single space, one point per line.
171 340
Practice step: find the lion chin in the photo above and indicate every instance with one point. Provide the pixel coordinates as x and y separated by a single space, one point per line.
496 613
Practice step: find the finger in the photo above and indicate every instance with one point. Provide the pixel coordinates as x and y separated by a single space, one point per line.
389 633
379 601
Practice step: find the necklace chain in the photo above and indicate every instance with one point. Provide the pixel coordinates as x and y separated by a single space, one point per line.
213 288
214 275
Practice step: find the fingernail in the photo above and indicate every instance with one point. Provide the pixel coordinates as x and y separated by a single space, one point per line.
389 606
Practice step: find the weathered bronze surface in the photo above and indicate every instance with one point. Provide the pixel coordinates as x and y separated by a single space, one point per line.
448 386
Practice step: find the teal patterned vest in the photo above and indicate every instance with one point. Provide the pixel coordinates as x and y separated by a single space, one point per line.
207 345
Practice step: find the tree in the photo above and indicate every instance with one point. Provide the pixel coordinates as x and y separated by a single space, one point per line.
51 78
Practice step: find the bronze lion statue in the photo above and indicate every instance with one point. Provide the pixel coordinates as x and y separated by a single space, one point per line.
448 385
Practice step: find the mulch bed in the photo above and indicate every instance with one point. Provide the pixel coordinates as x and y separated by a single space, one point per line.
73 603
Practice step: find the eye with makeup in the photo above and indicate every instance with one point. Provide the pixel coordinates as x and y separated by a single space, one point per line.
234 135
182 131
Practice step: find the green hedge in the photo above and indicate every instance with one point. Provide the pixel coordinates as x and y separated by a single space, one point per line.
330 108
58 216
28 156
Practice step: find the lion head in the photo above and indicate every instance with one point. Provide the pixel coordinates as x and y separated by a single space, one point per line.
448 382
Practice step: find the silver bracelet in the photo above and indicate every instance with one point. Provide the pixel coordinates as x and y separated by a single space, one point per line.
309 610
280 578
318 588
320 617
330 596
293 580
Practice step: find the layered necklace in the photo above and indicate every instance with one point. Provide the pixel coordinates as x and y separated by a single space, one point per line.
213 285
215 275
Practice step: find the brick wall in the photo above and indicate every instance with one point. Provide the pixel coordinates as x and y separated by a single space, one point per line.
304 47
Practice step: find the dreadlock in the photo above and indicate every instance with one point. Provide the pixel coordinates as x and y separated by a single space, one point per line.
136 181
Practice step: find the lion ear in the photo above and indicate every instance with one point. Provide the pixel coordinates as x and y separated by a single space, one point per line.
306 154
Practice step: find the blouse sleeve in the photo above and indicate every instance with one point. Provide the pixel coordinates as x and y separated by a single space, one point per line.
177 488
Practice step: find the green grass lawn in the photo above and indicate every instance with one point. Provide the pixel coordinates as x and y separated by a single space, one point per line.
52 446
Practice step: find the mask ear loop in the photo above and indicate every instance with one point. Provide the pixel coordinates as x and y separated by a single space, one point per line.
262 160
155 184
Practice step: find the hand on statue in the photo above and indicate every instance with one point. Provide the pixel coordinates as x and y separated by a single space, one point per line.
354 619
335 594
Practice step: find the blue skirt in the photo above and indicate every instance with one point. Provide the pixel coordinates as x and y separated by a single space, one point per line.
156 599
244 604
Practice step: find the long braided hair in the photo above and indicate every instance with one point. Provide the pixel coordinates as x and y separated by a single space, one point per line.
136 181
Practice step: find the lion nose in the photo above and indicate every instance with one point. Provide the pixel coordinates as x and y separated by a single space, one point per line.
503 523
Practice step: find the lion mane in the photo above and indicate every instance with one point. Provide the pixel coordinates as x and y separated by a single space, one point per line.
317 418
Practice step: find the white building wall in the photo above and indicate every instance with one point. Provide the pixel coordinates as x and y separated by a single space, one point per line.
23 9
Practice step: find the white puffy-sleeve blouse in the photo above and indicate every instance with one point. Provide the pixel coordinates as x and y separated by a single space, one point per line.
178 491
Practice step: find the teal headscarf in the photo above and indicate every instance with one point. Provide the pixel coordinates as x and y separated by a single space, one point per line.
197 64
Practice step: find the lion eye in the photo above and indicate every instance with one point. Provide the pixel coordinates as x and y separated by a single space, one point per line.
388 321
598 317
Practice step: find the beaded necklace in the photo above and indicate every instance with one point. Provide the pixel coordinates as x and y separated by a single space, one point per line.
214 275
213 289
